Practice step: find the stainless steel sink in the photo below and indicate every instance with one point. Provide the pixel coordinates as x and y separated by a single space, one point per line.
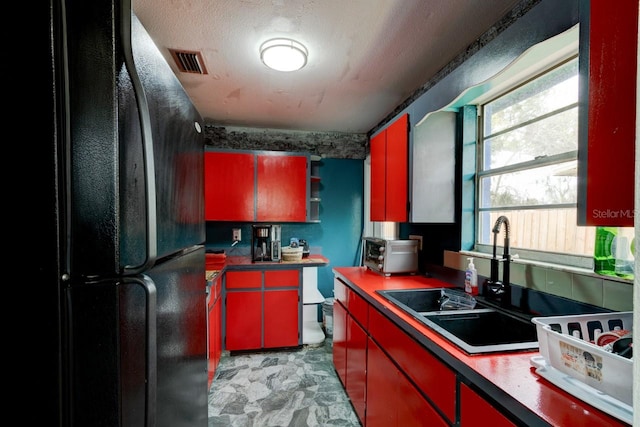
483 329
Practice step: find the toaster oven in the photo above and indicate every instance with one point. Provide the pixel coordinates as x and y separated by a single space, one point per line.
385 256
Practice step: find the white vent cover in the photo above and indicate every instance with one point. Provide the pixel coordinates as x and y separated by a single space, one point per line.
189 61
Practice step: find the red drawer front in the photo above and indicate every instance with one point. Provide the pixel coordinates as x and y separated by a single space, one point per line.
436 380
358 308
281 278
243 279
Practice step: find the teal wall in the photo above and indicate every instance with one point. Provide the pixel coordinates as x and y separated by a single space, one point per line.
337 235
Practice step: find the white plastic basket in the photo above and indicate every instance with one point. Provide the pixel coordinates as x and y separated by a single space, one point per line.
579 358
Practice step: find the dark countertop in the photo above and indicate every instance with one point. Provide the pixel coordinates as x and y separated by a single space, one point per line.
506 377
244 262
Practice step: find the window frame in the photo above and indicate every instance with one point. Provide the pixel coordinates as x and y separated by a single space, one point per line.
563 259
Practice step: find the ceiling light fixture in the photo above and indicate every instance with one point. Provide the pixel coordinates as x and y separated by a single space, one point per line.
283 54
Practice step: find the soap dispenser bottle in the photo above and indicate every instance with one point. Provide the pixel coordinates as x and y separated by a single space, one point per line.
471 279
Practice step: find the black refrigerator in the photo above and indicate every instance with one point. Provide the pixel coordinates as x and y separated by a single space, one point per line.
120 228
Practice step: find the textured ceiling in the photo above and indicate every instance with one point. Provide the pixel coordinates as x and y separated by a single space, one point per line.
366 57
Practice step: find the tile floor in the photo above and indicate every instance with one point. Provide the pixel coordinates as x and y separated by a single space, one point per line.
289 388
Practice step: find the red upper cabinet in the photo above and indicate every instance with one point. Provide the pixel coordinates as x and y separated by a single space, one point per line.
229 192
262 186
608 55
282 188
389 172
378 150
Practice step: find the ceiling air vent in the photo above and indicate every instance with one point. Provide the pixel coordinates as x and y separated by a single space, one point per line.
189 61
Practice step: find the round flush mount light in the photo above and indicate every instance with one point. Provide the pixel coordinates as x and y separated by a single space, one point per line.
283 54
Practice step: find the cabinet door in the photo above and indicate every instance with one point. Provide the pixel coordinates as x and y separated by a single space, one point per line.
281 318
381 388
434 164
211 339
389 172
356 366
378 152
413 409
397 170
340 341
392 400
475 411
215 337
607 123
282 188
229 186
243 320
430 375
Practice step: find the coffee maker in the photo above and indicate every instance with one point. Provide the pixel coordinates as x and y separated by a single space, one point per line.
266 243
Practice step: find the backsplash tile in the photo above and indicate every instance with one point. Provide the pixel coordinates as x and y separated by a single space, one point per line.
518 274
536 278
617 297
587 289
559 283
578 286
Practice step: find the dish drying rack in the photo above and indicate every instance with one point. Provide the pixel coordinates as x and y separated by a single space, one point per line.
452 299
570 360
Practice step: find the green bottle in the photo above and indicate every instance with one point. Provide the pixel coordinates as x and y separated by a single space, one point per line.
623 249
603 257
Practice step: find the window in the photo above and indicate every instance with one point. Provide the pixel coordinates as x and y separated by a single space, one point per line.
527 167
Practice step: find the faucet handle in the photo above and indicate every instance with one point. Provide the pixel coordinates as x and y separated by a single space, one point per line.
515 256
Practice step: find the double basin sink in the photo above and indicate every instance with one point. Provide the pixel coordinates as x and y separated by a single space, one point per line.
474 324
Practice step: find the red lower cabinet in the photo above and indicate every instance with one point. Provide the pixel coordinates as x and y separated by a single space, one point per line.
475 411
392 400
380 389
243 320
431 376
262 309
350 357
281 318
356 366
215 338
214 321
340 341
413 409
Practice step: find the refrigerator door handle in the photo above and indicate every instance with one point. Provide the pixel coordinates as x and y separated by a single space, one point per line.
147 143
151 346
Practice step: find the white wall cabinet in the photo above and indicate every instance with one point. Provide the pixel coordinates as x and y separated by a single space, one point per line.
433 169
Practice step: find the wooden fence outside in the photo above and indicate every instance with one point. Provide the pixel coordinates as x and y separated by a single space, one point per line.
550 230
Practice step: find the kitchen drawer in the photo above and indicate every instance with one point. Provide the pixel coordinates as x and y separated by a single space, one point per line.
436 381
358 308
243 279
474 410
281 278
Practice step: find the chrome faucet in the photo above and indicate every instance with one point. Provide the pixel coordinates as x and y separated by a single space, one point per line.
494 288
